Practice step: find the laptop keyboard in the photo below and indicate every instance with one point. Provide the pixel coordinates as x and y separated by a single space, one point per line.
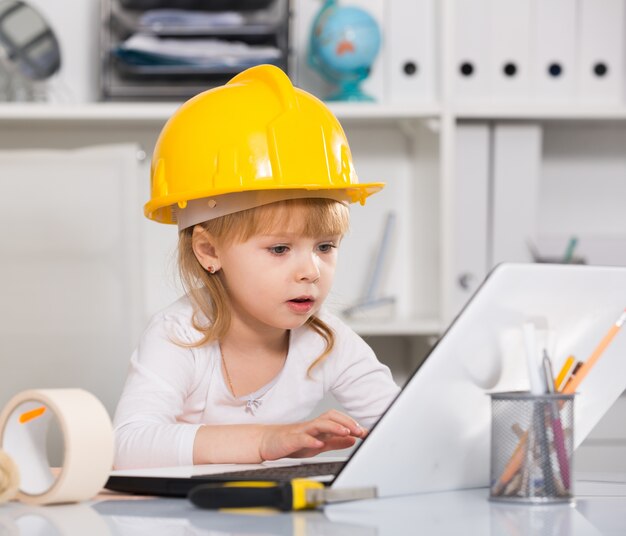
279 473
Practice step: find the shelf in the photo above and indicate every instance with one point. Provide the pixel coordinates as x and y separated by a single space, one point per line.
85 113
540 111
375 111
158 113
397 327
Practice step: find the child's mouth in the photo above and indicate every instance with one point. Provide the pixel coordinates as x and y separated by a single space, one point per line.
301 305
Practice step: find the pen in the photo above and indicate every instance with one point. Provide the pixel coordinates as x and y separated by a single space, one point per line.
575 380
557 427
539 423
526 468
569 252
298 494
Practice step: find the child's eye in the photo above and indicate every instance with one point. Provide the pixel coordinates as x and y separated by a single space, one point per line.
326 248
278 250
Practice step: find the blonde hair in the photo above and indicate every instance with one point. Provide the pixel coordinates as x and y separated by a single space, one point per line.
208 294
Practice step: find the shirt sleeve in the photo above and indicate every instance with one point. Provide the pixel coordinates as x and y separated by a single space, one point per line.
359 382
146 428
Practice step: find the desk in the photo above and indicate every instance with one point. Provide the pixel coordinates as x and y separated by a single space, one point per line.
600 509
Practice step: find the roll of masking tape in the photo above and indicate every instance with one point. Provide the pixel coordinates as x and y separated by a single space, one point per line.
87 437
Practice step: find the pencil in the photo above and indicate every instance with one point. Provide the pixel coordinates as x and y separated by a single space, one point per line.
515 462
571 376
563 372
575 380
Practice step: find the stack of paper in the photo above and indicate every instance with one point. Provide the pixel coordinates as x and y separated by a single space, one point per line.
142 49
158 20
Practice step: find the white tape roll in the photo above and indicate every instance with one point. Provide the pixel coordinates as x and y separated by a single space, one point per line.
87 437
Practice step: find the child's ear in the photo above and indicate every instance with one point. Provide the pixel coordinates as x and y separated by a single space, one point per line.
204 249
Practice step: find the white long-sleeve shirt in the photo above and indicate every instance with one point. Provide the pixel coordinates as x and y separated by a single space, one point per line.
172 390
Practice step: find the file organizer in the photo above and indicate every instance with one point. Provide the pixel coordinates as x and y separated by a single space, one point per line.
516 175
509 68
601 50
553 47
472 49
561 51
265 23
409 54
470 210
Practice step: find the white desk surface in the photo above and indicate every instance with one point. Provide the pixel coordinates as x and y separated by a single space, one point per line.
600 508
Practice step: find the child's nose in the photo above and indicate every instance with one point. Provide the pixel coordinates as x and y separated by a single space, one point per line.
308 269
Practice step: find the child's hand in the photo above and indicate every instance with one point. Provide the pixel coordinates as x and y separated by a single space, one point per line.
332 430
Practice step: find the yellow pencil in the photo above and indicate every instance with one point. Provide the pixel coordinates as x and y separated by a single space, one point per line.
558 382
571 377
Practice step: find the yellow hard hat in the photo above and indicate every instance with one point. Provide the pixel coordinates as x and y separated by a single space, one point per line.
257 135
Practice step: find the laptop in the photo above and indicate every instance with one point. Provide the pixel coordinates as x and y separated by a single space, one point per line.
435 435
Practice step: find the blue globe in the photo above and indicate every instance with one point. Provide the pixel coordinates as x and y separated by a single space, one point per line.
345 41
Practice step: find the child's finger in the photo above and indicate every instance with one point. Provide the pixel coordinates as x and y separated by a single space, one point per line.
324 426
307 441
336 442
347 421
325 444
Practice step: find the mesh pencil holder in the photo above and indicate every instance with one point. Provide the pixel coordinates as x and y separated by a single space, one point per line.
532 439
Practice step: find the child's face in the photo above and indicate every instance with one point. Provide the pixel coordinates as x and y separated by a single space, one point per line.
279 279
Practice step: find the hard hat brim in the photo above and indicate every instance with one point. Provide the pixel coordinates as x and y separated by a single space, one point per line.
163 209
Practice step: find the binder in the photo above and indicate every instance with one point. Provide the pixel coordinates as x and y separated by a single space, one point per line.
410 40
553 47
472 49
516 175
510 45
601 50
470 210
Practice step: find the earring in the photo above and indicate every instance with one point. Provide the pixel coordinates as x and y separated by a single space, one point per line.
210 269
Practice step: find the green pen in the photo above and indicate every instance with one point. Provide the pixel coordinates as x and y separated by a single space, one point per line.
569 252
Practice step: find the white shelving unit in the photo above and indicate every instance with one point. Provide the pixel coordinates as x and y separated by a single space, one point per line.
539 112
411 146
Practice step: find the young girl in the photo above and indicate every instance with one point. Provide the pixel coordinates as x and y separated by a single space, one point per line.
258 176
